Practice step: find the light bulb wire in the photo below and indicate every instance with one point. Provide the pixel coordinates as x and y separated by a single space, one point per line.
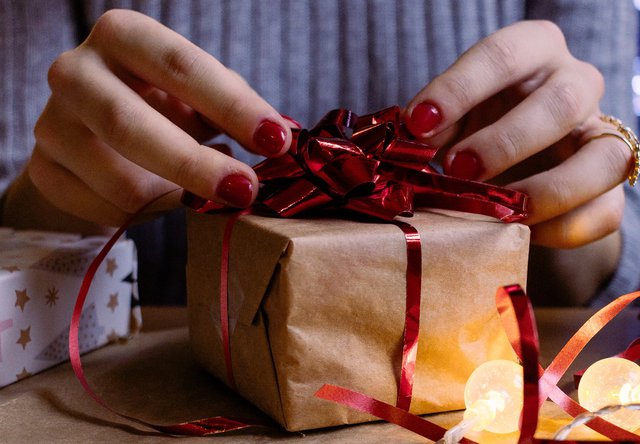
457 432
586 417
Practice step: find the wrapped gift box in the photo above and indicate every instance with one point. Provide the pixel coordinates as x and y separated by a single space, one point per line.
315 301
40 274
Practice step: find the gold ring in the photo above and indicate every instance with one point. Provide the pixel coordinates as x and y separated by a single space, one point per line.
627 135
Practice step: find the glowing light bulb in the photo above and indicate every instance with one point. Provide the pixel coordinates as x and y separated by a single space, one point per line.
493 400
612 381
494 392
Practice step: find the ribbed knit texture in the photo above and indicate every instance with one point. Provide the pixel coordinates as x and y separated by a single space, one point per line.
31 34
304 57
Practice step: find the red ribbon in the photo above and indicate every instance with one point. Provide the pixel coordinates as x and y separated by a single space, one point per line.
199 427
567 355
369 165
412 315
517 316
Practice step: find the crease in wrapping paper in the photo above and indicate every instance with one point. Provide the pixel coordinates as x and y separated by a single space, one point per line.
323 302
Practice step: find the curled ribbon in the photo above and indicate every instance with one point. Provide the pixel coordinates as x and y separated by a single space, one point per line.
369 165
517 316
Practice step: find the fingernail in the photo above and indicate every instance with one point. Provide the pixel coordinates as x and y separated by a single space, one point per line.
424 117
236 190
270 137
466 165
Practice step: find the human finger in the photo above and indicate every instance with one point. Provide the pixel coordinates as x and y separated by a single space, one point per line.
504 58
65 141
600 165
584 224
165 59
181 114
121 119
58 184
559 105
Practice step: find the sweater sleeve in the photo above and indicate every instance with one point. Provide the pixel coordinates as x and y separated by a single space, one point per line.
627 277
32 34
610 43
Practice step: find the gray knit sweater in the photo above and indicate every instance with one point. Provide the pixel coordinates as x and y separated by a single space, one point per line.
306 57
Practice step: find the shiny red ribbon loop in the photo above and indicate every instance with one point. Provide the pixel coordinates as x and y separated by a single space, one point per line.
370 165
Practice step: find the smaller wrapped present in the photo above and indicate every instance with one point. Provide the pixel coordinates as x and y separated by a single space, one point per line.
40 274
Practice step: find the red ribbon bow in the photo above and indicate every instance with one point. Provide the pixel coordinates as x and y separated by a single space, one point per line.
370 165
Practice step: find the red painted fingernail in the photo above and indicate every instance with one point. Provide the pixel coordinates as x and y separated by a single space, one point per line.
424 117
466 165
270 137
292 120
236 190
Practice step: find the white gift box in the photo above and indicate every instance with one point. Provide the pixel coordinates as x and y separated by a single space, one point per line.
40 275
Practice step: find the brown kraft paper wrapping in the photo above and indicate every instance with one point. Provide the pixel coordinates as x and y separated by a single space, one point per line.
315 301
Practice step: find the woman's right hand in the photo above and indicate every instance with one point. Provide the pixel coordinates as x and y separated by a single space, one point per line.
124 124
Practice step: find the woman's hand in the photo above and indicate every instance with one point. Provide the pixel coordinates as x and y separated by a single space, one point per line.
128 112
518 109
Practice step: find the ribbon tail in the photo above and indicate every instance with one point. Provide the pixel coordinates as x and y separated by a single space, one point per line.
199 427
382 410
438 191
205 427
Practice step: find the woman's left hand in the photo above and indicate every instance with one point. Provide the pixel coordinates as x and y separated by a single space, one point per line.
517 108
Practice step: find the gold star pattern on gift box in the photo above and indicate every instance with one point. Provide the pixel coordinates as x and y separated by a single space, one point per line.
21 298
112 265
23 374
113 301
25 337
52 296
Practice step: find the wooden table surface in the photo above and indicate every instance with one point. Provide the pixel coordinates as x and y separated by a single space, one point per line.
154 377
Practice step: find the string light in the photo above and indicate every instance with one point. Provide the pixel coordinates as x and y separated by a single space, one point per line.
584 418
612 382
493 400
